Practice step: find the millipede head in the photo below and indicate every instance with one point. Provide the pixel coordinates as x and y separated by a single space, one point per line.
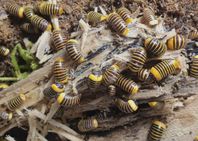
81 60
95 123
147 41
7 51
61 98
115 67
72 41
3 86
159 124
61 11
22 97
133 105
57 87
10 115
96 75
177 64
153 104
60 59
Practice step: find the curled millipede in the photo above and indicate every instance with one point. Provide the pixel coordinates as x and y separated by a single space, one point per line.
165 68
125 14
85 125
156 105
67 100
138 59
15 10
95 17
73 51
177 42
118 24
126 107
60 72
156 131
16 102
53 90
41 23
59 40
29 28
154 47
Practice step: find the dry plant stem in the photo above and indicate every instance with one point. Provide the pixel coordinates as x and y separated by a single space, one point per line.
32 129
55 106
41 138
53 122
85 27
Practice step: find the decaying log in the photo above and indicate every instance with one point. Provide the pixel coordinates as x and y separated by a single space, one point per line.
105 50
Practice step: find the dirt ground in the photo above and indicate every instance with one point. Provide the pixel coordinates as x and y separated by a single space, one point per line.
179 14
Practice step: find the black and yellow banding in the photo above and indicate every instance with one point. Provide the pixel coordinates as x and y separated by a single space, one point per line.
127 85
156 131
41 23
53 90
193 35
138 59
72 48
15 10
59 40
125 14
118 24
95 17
165 68
29 28
193 69
143 74
111 75
6 116
67 100
4 51
28 12
95 79
16 102
60 72
177 42
85 125
46 8
154 47
111 90
126 107
149 17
